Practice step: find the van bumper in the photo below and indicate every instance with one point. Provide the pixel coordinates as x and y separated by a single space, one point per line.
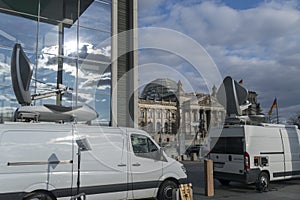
249 176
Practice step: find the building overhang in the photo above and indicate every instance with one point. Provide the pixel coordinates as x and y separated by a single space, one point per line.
58 11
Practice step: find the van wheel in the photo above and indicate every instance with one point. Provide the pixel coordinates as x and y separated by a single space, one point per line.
263 181
38 196
166 190
224 182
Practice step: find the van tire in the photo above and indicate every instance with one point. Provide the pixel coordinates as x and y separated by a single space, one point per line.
39 196
165 191
262 182
224 182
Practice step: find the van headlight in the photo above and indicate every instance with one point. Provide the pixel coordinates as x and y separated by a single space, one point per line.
183 169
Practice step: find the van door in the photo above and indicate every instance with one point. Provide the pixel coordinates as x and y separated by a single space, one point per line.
228 155
146 166
291 145
104 171
265 144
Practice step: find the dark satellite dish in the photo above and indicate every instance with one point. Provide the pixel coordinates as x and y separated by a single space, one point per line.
21 72
233 96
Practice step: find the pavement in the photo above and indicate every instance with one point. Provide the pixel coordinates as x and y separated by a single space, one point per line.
287 190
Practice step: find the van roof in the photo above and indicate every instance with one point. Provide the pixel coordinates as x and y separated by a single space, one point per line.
60 127
263 124
279 125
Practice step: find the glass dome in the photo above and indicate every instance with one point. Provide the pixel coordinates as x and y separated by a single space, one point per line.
160 89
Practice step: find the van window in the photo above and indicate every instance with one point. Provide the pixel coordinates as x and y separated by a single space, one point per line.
142 144
228 145
143 147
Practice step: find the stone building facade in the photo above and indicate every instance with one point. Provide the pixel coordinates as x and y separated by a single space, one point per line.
198 115
159 119
188 114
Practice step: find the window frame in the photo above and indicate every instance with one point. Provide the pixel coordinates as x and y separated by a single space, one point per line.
149 154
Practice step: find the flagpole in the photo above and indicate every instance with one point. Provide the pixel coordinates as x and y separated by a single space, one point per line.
277 110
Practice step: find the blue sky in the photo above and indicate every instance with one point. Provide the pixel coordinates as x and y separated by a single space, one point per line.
257 41
242 4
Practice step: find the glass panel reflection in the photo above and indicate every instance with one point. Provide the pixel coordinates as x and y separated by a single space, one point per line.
58 40
15 29
95 87
8 102
100 21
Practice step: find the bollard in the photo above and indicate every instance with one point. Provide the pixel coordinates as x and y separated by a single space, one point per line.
209 178
194 157
184 157
179 158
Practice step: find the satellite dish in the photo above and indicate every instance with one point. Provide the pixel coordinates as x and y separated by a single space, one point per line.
21 72
233 96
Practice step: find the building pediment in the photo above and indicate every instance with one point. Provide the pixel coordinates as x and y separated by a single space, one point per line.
202 101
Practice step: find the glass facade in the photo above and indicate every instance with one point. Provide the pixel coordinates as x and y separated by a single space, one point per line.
67 42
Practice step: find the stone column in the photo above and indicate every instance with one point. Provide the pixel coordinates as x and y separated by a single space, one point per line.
190 121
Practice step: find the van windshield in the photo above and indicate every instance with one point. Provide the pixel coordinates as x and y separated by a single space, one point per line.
228 145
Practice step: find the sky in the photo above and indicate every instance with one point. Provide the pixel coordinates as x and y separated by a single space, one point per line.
251 40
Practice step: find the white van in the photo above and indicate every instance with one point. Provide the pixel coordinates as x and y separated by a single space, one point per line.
256 154
41 161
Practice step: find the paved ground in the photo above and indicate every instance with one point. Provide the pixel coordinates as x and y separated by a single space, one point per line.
286 190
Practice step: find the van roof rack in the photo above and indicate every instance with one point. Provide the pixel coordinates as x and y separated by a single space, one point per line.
245 120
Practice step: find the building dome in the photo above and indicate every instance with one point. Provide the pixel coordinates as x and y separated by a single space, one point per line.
160 89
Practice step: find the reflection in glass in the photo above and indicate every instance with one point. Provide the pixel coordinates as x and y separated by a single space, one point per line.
8 102
17 29
101 21
97 44
48 38
84 58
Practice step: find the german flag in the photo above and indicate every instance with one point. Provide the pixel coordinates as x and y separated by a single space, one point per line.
274 105
241 82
